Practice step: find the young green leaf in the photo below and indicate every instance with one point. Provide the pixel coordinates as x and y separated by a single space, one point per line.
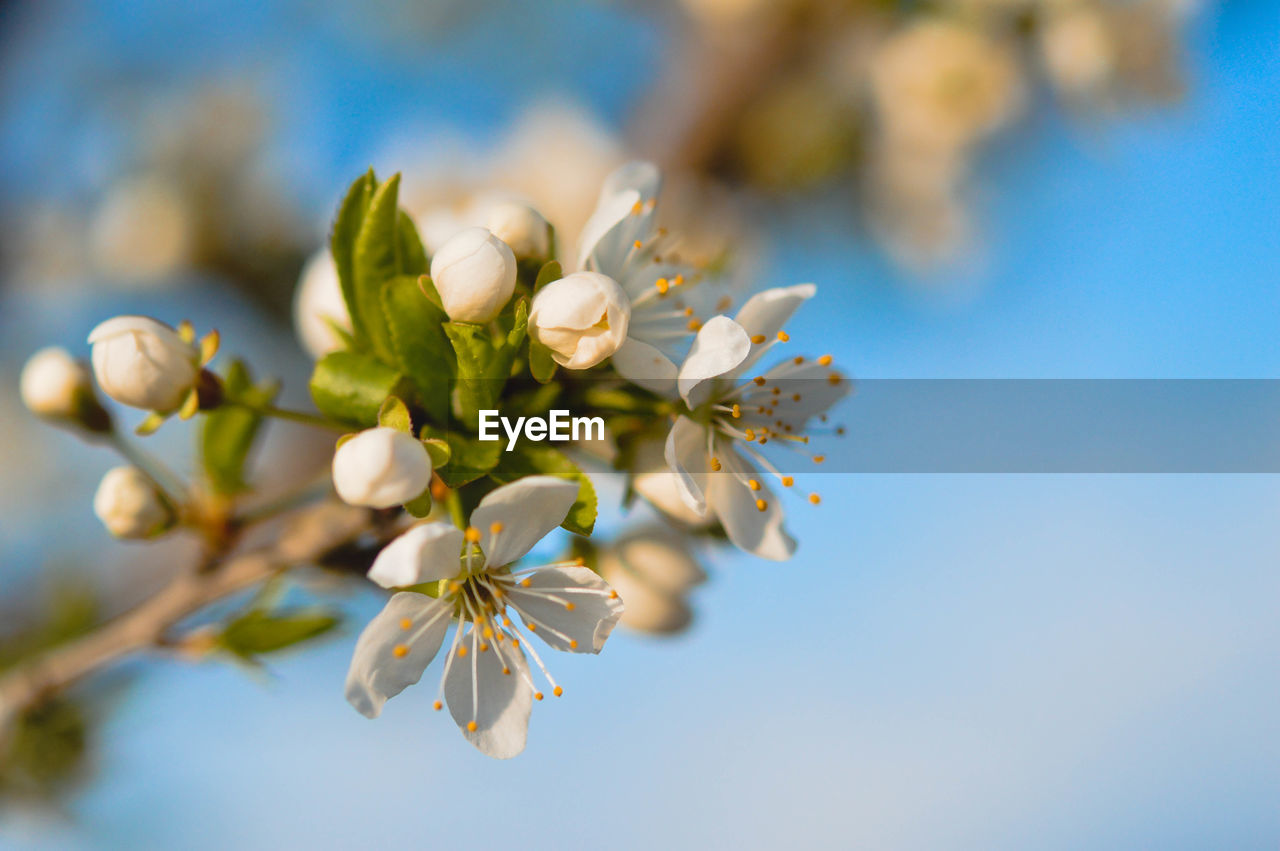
351 387
229 431
469 459
342 244
377 260
395 414
421 348
549 272
256 632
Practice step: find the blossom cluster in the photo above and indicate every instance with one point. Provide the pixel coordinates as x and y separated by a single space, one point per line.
413 349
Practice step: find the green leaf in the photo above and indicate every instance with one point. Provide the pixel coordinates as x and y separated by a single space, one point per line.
438 450
469 459
377 260
421 506
549 272
229 431
395 414
256 632
413 258
342 244
541 364
484 364
528 460
351 387
421 348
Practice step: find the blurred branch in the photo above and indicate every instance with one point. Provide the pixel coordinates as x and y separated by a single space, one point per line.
315 532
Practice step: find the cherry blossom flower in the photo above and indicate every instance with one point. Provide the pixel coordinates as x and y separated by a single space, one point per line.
465 578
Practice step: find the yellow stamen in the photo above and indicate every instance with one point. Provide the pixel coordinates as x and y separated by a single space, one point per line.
715 464
783 336
472 534
405 623
437 706
662 285
557 691
462 651
613 595
573 644
814 498
753 484
825 360
761 505
537 695
495 528
569 607
737 412
799 360
788 481
400 651
638 244
759 380
818 459
471 725
758 339
694 325
636 208
526 582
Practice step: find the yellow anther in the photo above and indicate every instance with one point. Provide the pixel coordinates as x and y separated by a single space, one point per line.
694 325
750 435
580 561
799 360
495 528
537 695
488 632
833 378
818 459
515 644
638 244
455 587
662 285
483 646
737 412
688 311
471 725
840 431
758 338
569 607
783 336
761 505
526 582
763 441
788 481
825 360
400 651
506 621
777 391
462 651
759 380
506 670
814 498
636 208
530 627
557 691
795 397
437 706
405 623
472 535
715 464
753 484
573 644
678 281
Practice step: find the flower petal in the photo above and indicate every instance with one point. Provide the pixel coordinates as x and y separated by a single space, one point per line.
523 511
478 692
645 366
686 454
377 671
571 608
720 346
735 503
766 312
425 553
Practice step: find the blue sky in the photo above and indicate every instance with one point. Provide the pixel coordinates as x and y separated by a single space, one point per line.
963 661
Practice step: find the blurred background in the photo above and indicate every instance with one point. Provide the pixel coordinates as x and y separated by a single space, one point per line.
982 189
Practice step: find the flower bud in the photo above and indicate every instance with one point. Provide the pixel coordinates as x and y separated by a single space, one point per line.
381 468
475 274
581 318
652 570
318 306
655 481
144 363
58 386
130 506
522 228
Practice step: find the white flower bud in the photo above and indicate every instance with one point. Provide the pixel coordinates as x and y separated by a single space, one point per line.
652 570
143 363
521 227
54 384
318 305
655 481
475 274
129 505
381 468
581 318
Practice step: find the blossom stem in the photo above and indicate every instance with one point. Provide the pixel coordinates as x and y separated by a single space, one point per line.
292 416
169 483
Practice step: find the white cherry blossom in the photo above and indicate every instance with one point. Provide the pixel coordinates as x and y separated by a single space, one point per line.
486 678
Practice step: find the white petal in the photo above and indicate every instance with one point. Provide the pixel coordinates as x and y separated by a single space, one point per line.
734 502
425 553
720 346
578 622
527 510
639 176
604 243
645 366
811 381
687 455
766 312
477 691
376 672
